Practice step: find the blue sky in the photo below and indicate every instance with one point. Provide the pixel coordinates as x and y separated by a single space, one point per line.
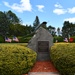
55 12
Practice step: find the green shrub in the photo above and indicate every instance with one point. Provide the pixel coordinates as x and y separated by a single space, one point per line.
1 39
59 38
63 57
24 40
15 59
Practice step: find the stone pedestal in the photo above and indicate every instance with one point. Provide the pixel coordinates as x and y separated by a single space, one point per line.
41 43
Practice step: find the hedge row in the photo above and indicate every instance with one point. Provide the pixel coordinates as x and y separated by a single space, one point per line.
15 59
63 57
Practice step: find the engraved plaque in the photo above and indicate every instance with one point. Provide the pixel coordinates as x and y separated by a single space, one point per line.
43 46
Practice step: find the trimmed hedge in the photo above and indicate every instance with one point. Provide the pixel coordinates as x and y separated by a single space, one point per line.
63 57
15 59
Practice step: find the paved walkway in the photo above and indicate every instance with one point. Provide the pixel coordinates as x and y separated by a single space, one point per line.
43 68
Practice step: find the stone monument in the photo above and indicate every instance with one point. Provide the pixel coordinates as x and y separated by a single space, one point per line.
41 43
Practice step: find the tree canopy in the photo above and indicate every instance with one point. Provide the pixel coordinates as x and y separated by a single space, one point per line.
10 25
68 29
12 17
36 22
4 24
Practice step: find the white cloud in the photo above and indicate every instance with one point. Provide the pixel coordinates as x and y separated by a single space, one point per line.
6 4
59 11
23 6
57 5
72 20
71 10
40 7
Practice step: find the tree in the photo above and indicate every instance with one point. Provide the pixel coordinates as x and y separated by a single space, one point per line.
36 22
51 30
68 29
19 30
58 31
14 21
4 24
12 17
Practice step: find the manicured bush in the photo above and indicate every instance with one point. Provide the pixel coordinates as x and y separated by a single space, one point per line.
63 57
15 59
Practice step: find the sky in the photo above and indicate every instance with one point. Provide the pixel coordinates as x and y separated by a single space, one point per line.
54 12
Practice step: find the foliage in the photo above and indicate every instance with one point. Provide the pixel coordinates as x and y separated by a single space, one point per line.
15 59
36 22
7 22
59 38
51 29
63 57
1 39
24 39
68 29
20 30
58 31
10 25
12 17
4 24
17 30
